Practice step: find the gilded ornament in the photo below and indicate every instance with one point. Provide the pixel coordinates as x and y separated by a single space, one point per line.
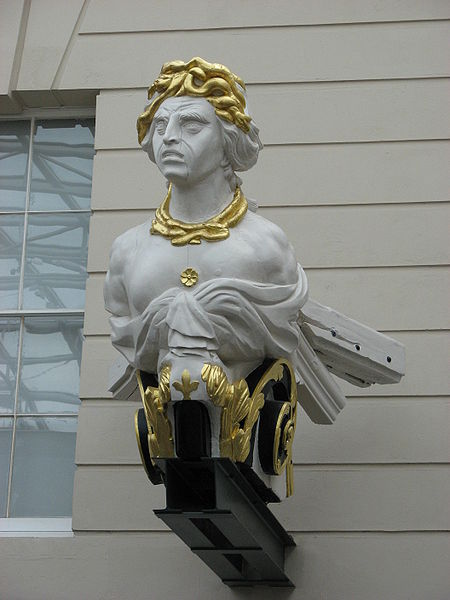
186 386
189 277
213 230
197 78
155 400
240 411
286 423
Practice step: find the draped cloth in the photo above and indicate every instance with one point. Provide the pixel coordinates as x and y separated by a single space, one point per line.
239 320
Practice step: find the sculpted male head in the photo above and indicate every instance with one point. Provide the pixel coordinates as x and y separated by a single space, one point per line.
208 84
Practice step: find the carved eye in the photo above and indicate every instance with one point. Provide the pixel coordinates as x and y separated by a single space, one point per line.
161 126
192 125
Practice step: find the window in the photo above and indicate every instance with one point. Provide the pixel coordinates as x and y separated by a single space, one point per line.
45 189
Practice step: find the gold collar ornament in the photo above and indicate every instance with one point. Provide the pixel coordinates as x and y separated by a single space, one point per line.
212 230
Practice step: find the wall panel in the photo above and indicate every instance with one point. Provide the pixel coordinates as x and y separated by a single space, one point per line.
379 430
295 175
347 236
101 566
417 297
284 54
379 498
370 111
107 16
427 373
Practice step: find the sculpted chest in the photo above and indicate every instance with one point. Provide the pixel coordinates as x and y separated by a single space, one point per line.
156 265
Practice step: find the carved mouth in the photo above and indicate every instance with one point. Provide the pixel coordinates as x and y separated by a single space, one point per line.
171 154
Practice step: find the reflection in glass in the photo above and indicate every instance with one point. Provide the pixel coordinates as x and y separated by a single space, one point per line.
55 260
9 341
61 173
14 144
50 369
43 467
11 242
5 452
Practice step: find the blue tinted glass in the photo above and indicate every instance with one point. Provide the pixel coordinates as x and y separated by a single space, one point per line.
5 453
11 243
14 144
55 260
9 341
43 468
61 174
50 367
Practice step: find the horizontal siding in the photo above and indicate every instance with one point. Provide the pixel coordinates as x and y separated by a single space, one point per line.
296 175
391 498
404 430
417 297
358 566
107 16
347 236
325 53
367 111
427 373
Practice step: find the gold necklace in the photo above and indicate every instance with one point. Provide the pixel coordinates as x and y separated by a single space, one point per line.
212 230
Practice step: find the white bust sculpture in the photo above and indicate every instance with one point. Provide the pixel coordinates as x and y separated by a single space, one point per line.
209 281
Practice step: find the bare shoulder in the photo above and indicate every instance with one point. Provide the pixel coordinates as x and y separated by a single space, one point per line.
127 243
273 247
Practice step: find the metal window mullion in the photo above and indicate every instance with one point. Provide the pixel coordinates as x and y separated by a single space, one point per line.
46 212
22 318
14 416
48 415
25 222
48 312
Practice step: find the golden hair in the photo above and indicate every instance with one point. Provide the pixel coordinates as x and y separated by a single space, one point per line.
197 78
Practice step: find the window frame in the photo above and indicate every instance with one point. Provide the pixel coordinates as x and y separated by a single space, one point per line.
36 526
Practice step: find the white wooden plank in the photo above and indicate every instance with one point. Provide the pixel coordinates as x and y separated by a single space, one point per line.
106 16
417 297
46 42
363 566
348 236
317 174
405 430
10 23
325 53
427 373
310 113
395 498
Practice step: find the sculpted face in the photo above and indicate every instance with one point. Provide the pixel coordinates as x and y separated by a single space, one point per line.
187 140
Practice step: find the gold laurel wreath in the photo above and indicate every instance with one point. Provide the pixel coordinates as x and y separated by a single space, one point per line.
197 78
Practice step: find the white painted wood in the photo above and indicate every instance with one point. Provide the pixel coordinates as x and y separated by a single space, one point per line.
286 54
379 498
369 566
296 175
362 292
10 23
427 372
46 41
122 382
36 527
349 349
381 430
318 394
349 236
371 111
107 16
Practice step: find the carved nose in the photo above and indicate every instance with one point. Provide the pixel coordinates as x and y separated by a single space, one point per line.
172 133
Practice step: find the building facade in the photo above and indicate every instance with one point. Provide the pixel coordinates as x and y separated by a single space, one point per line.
351 99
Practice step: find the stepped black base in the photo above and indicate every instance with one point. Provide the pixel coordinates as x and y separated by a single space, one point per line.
212 507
